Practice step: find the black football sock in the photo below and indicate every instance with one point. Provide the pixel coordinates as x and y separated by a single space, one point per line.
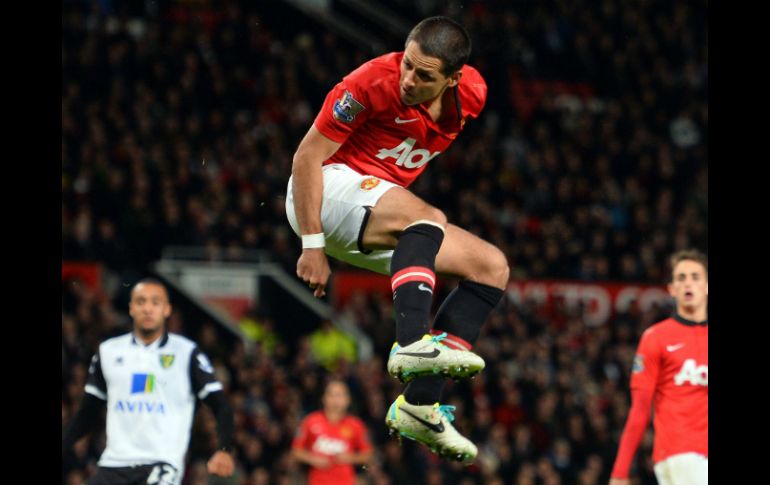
461 316
413 278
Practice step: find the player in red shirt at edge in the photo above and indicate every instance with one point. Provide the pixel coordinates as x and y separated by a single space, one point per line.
670 370
332 441
347 198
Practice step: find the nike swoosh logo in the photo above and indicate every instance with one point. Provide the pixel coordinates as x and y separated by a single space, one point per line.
438 428
422 287
672 348
400 121
429 355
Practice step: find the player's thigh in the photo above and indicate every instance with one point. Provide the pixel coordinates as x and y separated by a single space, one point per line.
395 210
467 256
347 200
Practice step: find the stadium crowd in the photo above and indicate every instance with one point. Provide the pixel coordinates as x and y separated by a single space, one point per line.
179 123
549 406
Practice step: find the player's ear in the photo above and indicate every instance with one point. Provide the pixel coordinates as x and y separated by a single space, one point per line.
454 78
167 311
670 288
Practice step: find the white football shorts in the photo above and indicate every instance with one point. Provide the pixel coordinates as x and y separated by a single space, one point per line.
347 199
683 469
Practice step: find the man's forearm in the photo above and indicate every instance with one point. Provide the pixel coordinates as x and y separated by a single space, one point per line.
83 421
224 416
360 458
633 431
307 187
303 456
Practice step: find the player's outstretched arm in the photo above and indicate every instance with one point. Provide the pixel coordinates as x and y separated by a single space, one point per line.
221 463
636 424
307 186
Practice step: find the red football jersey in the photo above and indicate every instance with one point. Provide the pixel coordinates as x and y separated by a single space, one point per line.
318 435
382 136
672 360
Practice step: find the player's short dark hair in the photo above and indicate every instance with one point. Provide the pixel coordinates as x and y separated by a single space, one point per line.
688 255
445 39
152 281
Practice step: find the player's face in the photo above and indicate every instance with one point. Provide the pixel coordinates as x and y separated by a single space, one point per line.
690 286
149 307
336 398
421 78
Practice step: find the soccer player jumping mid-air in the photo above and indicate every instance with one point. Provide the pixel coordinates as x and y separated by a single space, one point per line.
347 198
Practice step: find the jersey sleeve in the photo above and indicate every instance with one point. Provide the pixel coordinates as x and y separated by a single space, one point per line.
95 383
646 367
347 106
473 89
301 437
633 431
202 377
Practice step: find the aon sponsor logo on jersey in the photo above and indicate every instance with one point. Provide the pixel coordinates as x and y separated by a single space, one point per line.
697 375
329 446
406 156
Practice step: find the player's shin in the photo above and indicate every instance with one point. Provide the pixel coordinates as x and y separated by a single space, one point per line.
461 316
413 279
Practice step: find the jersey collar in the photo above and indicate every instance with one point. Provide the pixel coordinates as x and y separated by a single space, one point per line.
157 344
690 323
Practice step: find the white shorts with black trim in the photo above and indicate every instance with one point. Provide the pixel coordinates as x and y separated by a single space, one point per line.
348 197
683 469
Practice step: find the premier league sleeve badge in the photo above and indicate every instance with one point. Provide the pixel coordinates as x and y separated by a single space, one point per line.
346 108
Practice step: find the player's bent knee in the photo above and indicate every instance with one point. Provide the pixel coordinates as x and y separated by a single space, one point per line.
498 269
430 215
488 266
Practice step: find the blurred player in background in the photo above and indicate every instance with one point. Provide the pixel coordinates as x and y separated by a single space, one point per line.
149 380
347 197
670 370
331 441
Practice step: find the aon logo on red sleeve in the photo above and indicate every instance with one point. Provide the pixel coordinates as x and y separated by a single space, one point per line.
697 375
406 156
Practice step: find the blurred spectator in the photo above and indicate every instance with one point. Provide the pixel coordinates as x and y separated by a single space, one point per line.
331 347
331 441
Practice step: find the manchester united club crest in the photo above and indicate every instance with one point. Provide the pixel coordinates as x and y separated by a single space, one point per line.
370 183
346 108
166 360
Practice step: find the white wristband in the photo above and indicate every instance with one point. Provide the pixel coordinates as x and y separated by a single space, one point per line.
311 241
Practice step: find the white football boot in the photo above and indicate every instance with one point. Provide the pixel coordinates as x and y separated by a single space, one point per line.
431 426
429 356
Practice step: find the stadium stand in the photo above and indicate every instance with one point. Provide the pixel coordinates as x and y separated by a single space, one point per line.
589 163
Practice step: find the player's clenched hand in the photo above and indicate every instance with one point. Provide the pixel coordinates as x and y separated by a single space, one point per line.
620 481
221 464
313 269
